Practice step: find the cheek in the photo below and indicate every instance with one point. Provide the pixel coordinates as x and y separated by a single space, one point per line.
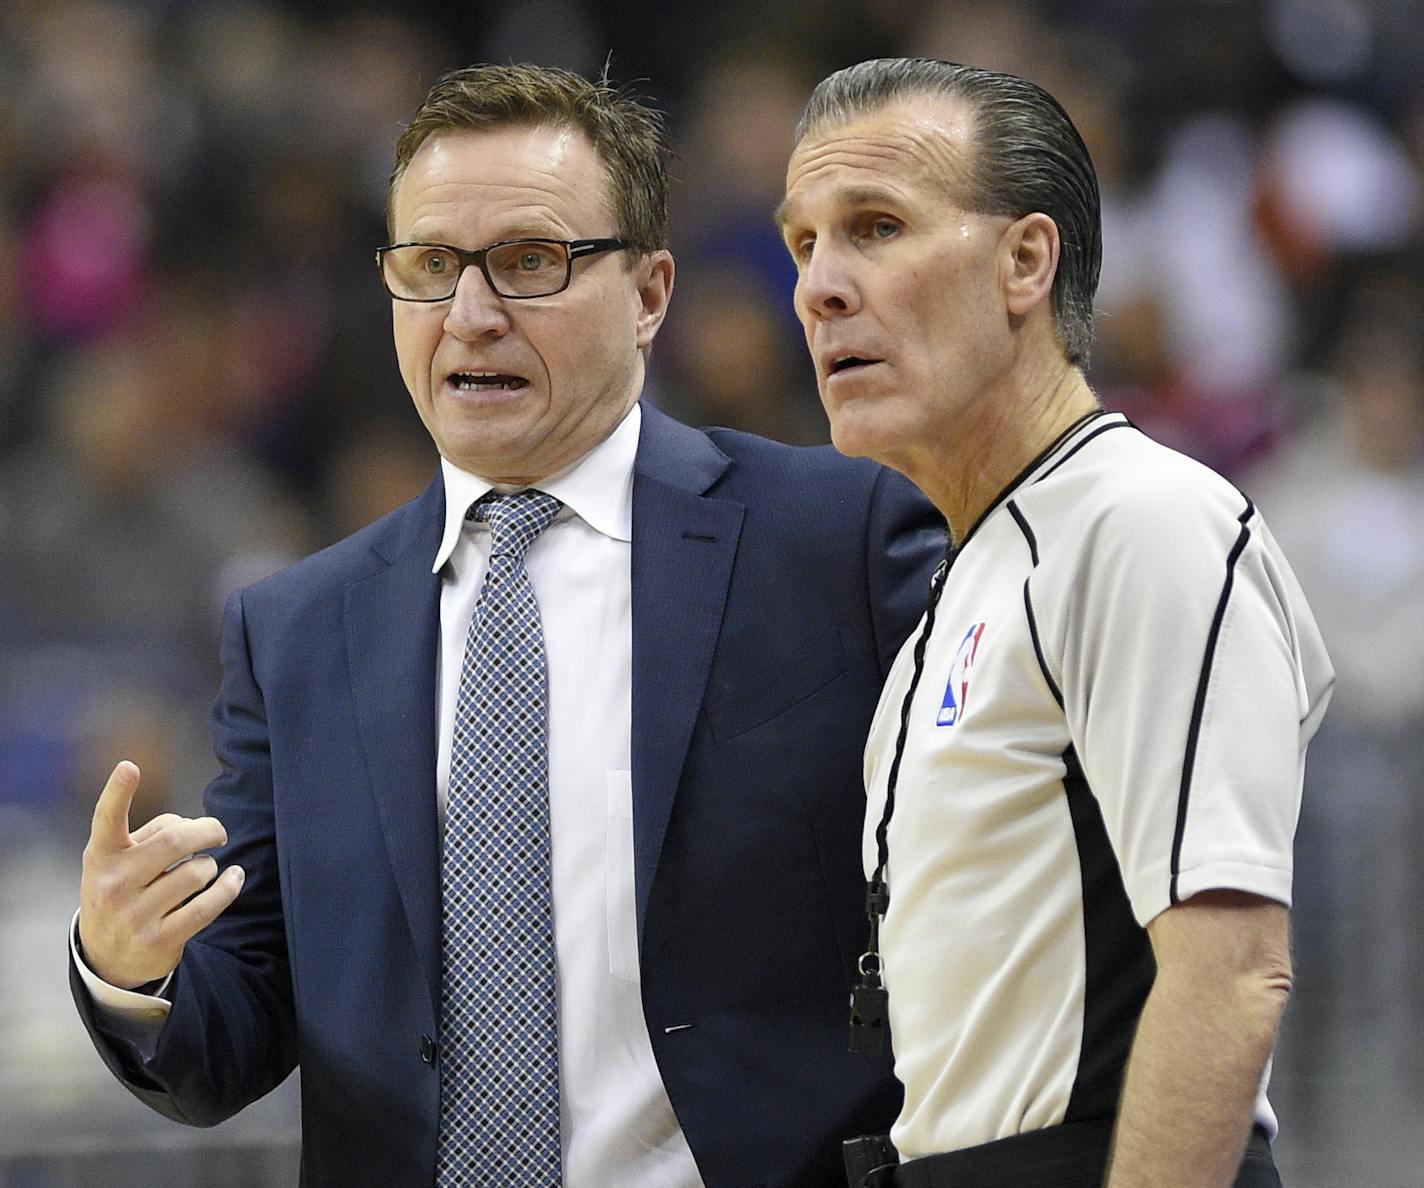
951 306
570 350
606 330
414 345
798 306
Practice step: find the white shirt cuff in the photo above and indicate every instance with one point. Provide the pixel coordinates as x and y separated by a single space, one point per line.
121 1009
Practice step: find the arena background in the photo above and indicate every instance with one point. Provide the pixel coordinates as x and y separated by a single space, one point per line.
197 386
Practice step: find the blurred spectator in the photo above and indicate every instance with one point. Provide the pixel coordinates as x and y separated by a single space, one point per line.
1006 35
1346 500
729 361
1333 181
377 466
734 354
1189 266
121 530
82 261
18 352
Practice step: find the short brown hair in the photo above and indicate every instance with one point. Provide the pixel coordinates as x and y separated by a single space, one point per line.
629 137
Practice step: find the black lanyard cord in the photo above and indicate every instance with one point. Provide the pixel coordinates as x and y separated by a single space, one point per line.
868 1000
882 831
868 1003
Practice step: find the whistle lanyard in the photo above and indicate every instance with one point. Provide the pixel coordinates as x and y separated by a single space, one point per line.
868 997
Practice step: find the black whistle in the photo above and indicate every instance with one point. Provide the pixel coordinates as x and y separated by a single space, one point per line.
868 1003
868 1000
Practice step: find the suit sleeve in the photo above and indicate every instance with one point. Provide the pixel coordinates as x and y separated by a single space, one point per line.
906 539
230 1036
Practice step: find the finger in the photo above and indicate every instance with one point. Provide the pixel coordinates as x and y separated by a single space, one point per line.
164 848
171 888
184 923
176 841
110 830
149 828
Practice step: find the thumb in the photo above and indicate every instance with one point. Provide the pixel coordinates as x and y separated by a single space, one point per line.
110 831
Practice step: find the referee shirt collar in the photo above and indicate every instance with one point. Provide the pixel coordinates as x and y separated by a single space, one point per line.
598 488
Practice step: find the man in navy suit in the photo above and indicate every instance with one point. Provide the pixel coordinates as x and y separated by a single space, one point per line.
717 613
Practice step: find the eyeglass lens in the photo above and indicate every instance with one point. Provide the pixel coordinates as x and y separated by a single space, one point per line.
524 268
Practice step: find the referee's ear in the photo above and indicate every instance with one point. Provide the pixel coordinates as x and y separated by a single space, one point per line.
1029 250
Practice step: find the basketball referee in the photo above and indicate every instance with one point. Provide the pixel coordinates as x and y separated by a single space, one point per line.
1085 770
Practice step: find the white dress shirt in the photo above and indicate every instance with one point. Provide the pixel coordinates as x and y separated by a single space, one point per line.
617 1123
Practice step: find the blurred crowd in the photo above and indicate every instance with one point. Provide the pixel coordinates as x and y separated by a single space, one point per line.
197 387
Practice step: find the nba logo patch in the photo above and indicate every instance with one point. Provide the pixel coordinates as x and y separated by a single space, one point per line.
956 691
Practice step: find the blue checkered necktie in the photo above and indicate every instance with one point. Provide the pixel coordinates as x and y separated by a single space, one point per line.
499 1049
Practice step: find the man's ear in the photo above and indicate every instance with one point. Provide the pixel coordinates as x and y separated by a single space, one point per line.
654 274
1030 247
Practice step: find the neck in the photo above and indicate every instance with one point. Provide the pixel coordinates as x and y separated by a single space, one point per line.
1012 429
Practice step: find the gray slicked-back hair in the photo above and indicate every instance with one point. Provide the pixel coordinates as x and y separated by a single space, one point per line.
1028 157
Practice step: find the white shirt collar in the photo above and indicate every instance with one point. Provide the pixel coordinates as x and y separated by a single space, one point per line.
598 488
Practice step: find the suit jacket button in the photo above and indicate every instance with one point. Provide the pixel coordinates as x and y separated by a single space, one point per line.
427 1049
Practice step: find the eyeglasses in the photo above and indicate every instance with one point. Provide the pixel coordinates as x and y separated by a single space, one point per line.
515 268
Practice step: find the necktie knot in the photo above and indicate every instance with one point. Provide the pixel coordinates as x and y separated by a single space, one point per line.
515 520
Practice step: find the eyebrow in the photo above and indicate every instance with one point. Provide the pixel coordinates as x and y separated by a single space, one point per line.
861 194
521 230
530 231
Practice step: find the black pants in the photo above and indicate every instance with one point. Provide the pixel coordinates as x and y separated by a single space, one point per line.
1074 1155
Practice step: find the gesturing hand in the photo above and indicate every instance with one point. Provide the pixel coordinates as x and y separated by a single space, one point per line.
142 894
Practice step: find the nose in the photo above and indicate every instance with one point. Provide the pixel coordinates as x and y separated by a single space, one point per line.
826 287
476 311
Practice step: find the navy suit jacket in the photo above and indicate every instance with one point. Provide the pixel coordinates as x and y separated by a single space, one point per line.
772 587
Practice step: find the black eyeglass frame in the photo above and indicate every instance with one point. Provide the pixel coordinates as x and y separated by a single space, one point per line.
573 249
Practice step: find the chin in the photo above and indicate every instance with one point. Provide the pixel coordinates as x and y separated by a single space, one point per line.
846 443
853 437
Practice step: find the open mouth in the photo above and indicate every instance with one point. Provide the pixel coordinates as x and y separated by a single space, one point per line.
850 363
486 381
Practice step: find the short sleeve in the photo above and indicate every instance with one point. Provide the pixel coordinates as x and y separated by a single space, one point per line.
1192 676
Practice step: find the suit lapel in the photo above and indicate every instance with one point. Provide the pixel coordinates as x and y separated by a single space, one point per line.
683 548
392 639
684 544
